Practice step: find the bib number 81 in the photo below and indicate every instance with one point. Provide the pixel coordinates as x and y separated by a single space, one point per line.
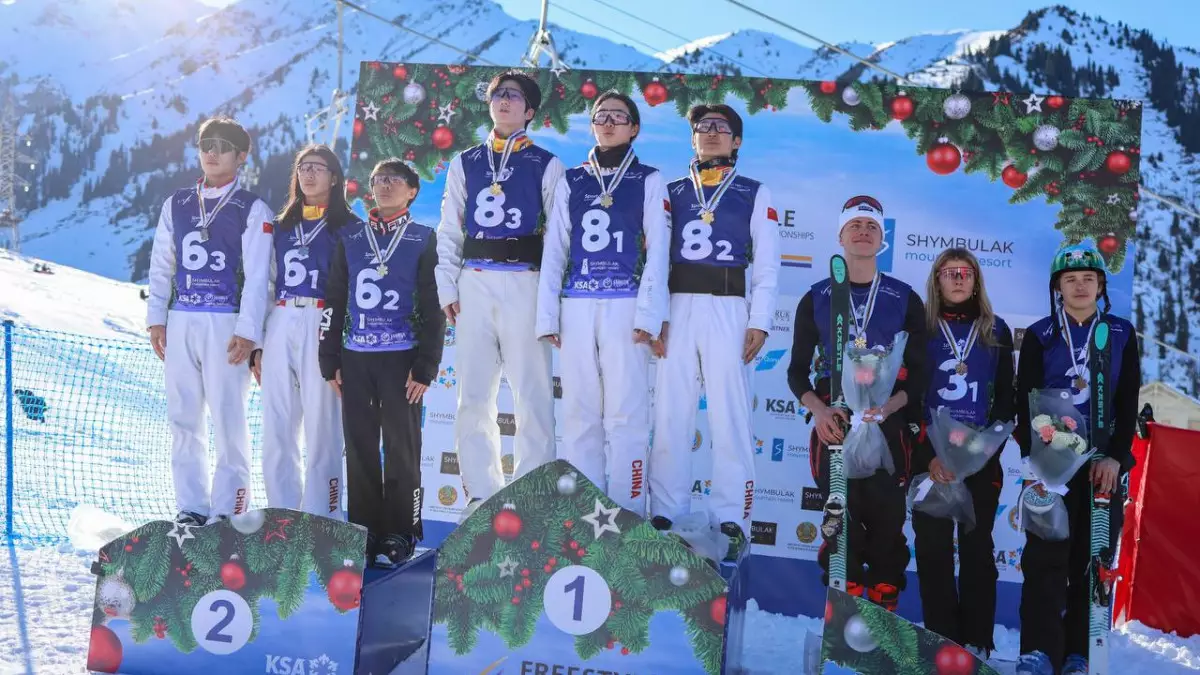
596 236
489 211
698 243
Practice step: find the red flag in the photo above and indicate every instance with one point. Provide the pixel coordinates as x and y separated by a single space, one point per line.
267 228
772 215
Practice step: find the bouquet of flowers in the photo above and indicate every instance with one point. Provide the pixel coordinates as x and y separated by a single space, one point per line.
1056 450
868 377
1043 513
963 450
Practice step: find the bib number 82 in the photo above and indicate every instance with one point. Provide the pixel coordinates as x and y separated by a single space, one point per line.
698 243
489 211
596 236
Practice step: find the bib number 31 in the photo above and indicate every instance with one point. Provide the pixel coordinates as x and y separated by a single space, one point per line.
489 211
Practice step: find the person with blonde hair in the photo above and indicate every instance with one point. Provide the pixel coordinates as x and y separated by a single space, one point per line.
970 352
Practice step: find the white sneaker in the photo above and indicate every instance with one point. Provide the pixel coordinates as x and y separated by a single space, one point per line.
471 507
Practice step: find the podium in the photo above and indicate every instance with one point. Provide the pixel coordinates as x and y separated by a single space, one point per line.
272 590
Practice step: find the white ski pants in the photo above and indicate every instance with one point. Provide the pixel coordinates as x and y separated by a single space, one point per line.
495 330
705 340
198 374
606 397
293 395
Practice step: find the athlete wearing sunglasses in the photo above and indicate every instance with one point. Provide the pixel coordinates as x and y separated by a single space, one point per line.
490 254
721 224
608 232
209 277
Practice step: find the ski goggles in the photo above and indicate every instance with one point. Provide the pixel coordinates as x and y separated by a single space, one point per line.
614 117
957 273
216 145
712 125
860 200
508 94
387 179
315 168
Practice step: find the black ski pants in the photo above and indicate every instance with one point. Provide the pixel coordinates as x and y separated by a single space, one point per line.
383 492
1055 593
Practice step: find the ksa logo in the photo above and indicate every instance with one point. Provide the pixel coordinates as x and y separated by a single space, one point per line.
290 665
782 408
447 495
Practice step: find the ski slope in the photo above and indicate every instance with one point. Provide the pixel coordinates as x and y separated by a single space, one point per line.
46 590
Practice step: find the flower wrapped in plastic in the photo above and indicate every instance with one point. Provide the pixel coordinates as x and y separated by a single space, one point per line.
868 377
1057 450
1043 513
963 450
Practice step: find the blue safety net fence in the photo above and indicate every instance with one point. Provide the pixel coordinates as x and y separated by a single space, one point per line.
84 423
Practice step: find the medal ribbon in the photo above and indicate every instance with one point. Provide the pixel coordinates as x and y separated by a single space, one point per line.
306 240
710 206
205 217
1066 330
386 255
860 330
509 143
972 337
616 180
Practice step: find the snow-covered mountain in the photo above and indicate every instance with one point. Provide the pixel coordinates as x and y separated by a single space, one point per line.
112 91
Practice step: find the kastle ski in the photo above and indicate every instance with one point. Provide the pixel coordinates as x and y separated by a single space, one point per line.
1101 572
833 526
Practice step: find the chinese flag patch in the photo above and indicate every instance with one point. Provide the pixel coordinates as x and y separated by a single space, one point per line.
667 205
267 228
772 215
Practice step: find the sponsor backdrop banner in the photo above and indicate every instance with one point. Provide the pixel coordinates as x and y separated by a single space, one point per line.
1010 177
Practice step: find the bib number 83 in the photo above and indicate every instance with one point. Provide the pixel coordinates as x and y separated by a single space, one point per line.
596 236
698 243
489 211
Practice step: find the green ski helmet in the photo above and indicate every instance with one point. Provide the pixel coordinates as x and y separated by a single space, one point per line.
1076 257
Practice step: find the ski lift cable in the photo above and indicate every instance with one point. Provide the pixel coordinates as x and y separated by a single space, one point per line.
608 28
647 22
366 12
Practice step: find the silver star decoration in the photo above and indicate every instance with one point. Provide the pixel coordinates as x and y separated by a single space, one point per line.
558 69
371 111
181 533
609 516
1033 103
507 566
445 113
1113 200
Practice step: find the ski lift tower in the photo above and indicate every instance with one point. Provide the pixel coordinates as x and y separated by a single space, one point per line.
10 161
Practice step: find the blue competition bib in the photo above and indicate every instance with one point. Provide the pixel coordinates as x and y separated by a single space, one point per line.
726 241
607 244
966 397
382 307
208 274
517 211
1060 369
301 271
887 319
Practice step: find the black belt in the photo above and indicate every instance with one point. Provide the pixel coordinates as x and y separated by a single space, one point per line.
527 249
707 279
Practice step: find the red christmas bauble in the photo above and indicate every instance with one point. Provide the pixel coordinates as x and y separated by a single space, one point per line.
400 72
344 589
954 660
1055 102
943 158
1108 244
902 108
351 187
588 90
624 651
507 524
358 127
655 93
1013 177
828 611
443 138
104 650
233 575
1118 162
828 87
717 610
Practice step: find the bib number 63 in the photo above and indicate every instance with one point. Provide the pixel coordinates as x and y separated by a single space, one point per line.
196 257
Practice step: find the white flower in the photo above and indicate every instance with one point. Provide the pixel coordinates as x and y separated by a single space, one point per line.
868 359
1042 421
977 445
1063 440
1079 445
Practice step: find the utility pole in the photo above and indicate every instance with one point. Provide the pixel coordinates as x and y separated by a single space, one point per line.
10 162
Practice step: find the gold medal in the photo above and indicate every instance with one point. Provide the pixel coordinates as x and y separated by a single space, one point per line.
860 342
382 269
606 200
707 217
961 369
497 190
1079 383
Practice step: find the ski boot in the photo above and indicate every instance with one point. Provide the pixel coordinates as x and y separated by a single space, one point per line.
190 518
886 596
1034 663
737 541
1105 577
395 550
1075 665
833 521
661 523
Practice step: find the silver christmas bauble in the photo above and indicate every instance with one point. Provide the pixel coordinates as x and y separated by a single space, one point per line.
362 156
116 598
1133 215
679 575
414 93
1045 138
858 635
249 522
957 107
567 484
481 91
849 96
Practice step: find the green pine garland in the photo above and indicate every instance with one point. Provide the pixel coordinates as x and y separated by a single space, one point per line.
996 135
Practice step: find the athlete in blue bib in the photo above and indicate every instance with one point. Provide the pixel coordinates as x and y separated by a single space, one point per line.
723 230
603 297
881 306
293 392
970 353
498 195
1054 355
381 346
209 278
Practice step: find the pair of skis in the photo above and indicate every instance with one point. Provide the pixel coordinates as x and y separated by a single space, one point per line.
834 520
1101 570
